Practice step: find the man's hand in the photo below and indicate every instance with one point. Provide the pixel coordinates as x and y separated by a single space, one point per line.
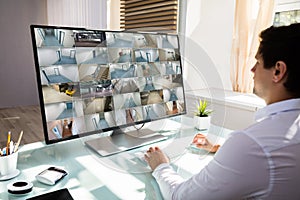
155 157
201 142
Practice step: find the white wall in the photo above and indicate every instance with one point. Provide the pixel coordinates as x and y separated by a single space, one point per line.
231 110
207 33
17 76
207 27
208 38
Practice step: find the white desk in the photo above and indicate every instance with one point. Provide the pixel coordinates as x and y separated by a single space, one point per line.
121 176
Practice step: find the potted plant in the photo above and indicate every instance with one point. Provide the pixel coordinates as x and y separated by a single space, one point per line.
202 115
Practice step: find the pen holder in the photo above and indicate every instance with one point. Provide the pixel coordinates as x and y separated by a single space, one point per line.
8 164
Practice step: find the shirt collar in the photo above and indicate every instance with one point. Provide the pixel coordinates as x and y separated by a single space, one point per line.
272 109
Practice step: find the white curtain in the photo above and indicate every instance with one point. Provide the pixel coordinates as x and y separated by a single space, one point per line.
79 13
249 22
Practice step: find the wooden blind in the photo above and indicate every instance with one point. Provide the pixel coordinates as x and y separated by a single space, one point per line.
149 15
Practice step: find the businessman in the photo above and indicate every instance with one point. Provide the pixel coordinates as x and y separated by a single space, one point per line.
263 160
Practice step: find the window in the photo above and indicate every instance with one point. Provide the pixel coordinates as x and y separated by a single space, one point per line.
286 17
149 15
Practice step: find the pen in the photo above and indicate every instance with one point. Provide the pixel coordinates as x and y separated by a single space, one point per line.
11 147
4 151
8 142
18 142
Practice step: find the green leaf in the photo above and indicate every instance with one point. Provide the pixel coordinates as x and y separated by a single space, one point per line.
202 110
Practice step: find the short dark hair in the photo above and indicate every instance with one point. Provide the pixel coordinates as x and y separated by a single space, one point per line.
283 44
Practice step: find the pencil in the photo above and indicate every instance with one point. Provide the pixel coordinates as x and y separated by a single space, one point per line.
18 142
8 142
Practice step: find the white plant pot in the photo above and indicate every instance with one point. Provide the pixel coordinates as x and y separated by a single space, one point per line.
202 123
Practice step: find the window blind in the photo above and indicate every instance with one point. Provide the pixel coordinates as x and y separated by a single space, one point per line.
149 15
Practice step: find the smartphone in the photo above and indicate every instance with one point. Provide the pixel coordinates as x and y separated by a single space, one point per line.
51 175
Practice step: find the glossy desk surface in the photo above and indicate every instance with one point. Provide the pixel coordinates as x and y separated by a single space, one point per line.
120 176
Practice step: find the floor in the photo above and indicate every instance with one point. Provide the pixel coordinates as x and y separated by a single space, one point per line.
16 119
51 95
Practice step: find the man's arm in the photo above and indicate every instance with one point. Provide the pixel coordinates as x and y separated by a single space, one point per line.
232 174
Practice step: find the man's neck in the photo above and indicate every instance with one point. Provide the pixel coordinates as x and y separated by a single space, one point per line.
279 96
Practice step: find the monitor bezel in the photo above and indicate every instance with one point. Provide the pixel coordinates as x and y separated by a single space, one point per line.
40 86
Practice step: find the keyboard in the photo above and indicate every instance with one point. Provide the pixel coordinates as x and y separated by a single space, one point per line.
178 147
174 149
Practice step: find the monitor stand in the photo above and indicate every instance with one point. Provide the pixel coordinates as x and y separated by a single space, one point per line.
120 141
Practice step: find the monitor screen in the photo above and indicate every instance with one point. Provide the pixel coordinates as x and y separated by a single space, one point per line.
94 81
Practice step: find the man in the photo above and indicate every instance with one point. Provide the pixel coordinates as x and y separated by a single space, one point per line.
262 161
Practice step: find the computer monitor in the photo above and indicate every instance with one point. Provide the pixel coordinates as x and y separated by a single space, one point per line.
94 81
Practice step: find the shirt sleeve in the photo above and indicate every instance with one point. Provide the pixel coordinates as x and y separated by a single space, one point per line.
228 176
167 179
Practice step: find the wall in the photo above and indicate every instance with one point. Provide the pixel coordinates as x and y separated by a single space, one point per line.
208 27
17 76
207 33
208 37
227 106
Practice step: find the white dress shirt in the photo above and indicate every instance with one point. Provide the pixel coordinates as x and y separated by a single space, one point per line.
260 162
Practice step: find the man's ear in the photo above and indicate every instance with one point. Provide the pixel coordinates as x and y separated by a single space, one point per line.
279 71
